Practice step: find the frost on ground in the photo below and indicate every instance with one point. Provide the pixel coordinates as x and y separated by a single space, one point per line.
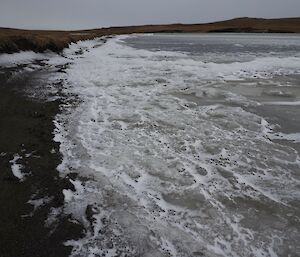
172 163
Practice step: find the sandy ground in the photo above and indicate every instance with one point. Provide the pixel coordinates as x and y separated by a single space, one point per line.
26 130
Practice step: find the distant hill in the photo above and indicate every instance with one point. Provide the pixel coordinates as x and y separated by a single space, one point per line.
14 40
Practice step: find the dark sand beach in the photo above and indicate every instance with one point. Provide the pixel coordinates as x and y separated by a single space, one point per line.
26 130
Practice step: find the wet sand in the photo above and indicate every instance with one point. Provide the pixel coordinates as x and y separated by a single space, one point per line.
26 129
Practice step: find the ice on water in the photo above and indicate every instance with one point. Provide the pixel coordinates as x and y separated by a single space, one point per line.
171 162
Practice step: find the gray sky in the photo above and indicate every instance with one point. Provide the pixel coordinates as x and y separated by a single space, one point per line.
78 14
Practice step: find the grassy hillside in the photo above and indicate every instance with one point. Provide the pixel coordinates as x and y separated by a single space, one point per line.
14 40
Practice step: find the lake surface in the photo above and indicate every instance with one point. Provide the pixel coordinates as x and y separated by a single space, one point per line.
185 145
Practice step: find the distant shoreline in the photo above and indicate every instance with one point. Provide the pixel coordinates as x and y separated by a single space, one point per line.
15 40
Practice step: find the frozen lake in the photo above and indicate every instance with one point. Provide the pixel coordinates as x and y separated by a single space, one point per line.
185 145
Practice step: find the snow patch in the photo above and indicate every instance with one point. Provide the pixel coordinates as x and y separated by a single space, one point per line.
17 168
20 58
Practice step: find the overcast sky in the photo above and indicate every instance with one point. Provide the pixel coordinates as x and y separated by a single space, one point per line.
78 14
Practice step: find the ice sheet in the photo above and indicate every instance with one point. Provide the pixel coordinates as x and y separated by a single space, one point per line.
173 163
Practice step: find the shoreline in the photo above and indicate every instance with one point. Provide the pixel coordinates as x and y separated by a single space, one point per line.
26 135
26 130
16 40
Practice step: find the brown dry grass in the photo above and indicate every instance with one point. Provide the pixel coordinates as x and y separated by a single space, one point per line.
14 40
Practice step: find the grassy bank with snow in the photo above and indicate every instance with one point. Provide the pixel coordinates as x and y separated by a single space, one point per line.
15 40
